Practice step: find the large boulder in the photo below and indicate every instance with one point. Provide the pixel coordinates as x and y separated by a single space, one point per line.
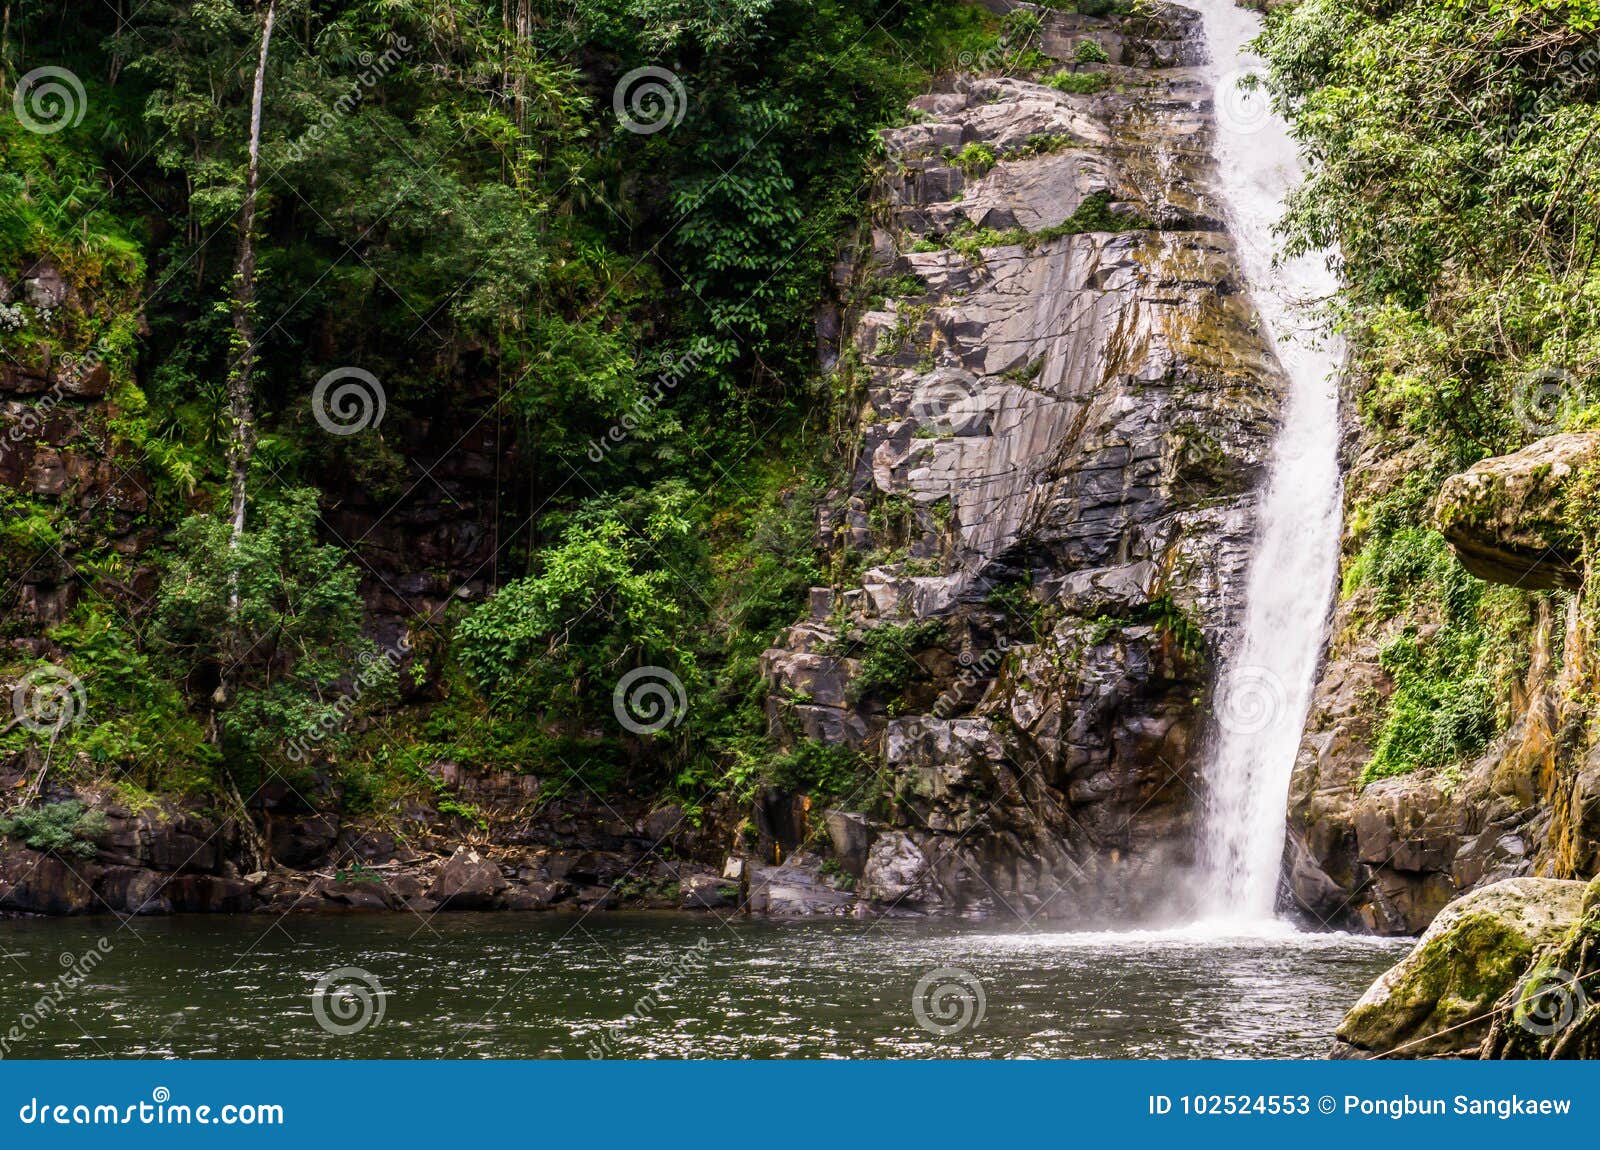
898 873
1553 1011
1436 1001
796 889
1507 516
39 883
467 881
850 834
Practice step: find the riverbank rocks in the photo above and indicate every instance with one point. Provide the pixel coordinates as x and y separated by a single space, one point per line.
1508 517
796 889
898 872
1436 1002
467 882
1553 1011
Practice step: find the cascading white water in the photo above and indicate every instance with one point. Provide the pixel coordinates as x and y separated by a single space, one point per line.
1264 688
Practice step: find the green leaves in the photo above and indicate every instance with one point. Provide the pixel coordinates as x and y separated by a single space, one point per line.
616 590
273 663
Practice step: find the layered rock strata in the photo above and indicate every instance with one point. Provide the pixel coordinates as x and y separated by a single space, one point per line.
1066 405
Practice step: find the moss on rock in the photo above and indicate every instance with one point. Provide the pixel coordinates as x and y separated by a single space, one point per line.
1436 1001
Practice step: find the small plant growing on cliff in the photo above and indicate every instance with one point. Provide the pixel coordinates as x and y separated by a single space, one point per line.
65 828
887 658
975 159
1078 83
1090 52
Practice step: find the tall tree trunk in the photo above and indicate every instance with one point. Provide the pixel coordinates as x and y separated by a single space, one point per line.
241 405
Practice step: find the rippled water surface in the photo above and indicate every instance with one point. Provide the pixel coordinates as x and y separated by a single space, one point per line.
511 985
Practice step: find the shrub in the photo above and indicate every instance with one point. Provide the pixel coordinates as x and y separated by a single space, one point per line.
1078 83
1090 52
66 828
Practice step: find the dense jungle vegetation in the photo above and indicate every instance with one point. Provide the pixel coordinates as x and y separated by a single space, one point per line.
1456 169
468 201
458 197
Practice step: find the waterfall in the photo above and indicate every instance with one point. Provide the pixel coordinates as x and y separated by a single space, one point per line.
1264 688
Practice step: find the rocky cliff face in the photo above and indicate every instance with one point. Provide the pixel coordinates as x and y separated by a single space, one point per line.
1388 855
1066 408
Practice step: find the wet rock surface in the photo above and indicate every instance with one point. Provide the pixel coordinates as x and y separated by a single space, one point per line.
1388 855
1061 436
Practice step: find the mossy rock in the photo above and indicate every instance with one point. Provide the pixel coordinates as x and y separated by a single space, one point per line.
1436 1001
1508 517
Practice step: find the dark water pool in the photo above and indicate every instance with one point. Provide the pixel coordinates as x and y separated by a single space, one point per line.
663 985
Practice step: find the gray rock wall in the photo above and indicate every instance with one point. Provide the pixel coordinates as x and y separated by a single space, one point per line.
1061 437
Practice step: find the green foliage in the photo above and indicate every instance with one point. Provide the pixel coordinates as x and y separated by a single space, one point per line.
1094 214
597 604
1460 648
1442 712
1456 178
450 203
270 664
1078 83
820 770
138 723
887 655
64 828
975 159
1090 52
